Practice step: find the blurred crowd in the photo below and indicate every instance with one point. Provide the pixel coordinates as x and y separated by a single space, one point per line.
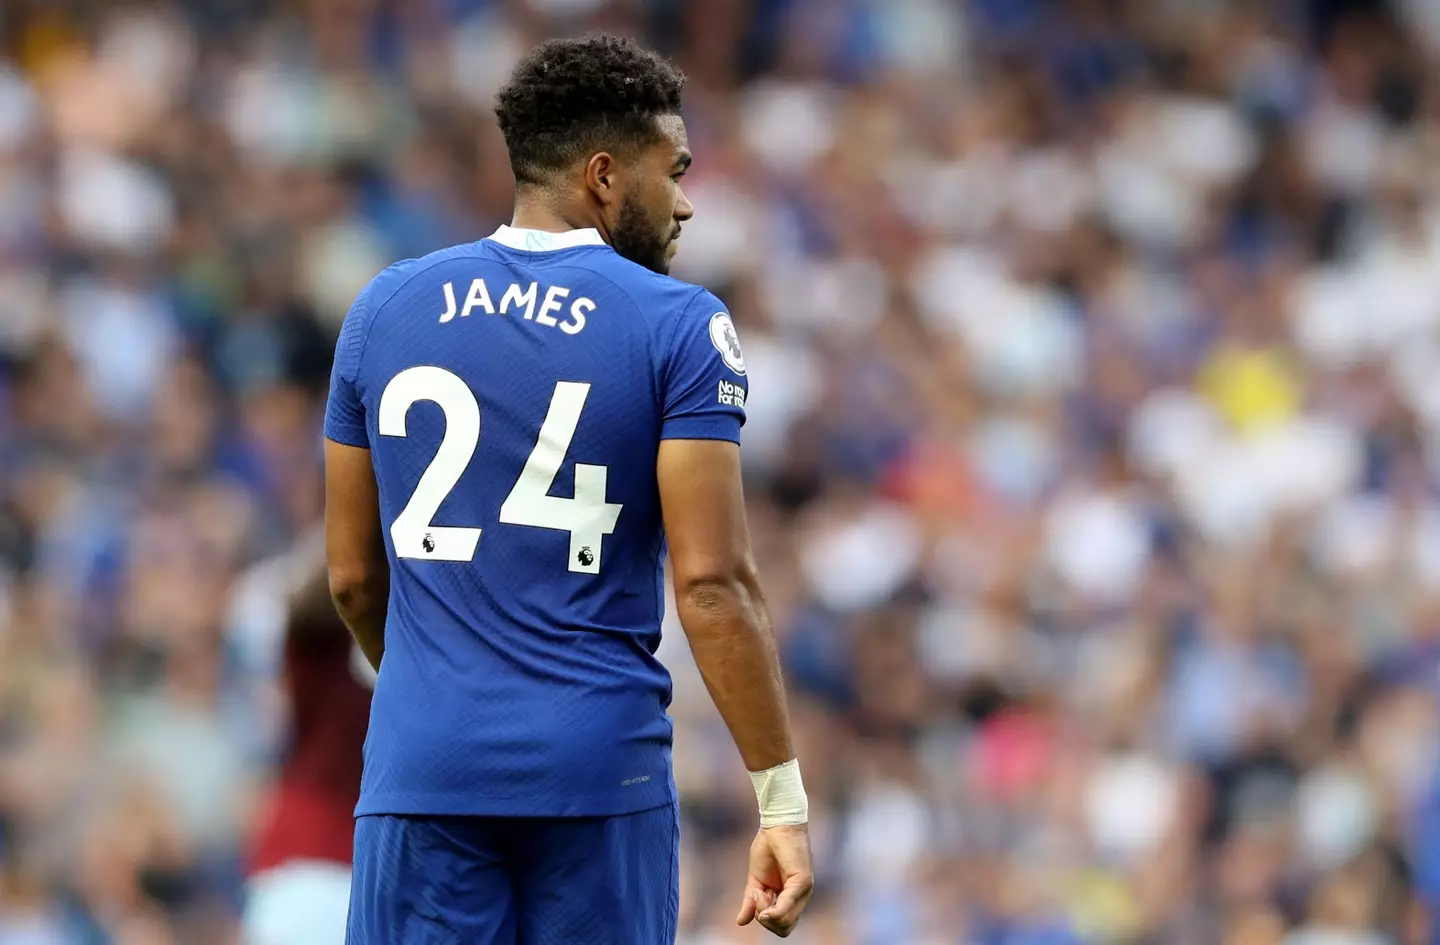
1092 453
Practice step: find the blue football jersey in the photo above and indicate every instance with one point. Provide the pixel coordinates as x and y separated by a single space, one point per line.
513 393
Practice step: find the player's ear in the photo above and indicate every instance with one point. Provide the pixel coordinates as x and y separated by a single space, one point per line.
601 178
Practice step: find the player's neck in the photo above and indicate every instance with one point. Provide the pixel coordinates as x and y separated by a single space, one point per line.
535 214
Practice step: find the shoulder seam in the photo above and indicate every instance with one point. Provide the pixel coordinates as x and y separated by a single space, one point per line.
670 346
657 366
698 289
689 301
375 309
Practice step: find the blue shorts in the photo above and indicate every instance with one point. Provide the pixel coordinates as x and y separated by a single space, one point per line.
516 880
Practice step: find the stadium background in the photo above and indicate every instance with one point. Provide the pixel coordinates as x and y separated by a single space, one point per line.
1095 364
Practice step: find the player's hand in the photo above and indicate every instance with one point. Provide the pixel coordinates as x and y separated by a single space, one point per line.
781 879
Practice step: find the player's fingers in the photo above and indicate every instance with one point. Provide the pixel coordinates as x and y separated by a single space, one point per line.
776 927
750 904
757 899
791 900
781 917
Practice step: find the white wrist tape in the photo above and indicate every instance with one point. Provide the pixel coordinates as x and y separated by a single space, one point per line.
781 795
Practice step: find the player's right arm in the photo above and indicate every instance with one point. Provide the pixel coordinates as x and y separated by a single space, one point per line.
718 596
359 572
722 609
719 600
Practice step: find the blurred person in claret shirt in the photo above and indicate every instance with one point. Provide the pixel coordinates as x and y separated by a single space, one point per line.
298 889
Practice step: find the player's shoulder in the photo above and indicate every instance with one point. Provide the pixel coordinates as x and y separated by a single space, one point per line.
681 313
393 280
629 279
662 299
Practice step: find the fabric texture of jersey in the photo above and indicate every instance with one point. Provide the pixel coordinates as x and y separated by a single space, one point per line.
503 880
519 675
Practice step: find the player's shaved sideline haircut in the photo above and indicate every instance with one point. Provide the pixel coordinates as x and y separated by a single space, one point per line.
570 98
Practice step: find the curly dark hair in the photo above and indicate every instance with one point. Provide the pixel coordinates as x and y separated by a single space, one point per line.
572 97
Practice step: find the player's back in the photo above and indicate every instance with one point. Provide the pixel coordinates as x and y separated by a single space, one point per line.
513 396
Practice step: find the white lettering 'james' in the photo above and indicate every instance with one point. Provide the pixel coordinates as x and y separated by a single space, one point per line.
520 300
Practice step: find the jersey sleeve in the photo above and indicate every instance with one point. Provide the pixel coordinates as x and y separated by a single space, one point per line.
345 411
703 382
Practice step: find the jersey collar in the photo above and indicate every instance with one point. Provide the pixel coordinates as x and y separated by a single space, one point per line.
542 241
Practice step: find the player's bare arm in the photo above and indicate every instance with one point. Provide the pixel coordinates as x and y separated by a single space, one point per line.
355 546
718 595
723 612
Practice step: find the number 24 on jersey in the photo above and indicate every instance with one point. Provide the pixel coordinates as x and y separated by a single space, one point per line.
586 516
